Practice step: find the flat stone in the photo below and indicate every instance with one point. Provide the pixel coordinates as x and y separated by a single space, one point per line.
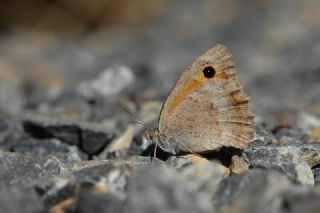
49 147
133 162
66 131
18 169
79 178
309 152
290 159
89 137
113 172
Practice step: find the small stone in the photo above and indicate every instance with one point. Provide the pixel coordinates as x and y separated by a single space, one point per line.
310 152
121 143
255 190
126 145
93 140
112 155
161 189
300 199
115 176
184 160
289 140
238 165
263 136
11 131
139 145
19 200
68 205
291 135
316 172
66 106
111 81
56 189
100 186
99 203
12 99
208 174
308 121
288 159
315 135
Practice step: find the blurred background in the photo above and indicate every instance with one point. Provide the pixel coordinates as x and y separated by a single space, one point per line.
137 48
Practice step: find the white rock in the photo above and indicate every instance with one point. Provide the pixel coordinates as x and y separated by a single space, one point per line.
110 82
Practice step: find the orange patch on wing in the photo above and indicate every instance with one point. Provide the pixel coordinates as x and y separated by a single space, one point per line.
190 86
193 84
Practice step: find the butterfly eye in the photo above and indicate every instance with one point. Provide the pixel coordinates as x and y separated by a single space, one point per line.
209 72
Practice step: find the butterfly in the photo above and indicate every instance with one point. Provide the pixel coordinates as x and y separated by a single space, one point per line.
207 108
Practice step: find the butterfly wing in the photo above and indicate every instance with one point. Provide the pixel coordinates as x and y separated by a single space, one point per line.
203 114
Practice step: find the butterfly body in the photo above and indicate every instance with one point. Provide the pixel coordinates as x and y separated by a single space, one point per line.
206 109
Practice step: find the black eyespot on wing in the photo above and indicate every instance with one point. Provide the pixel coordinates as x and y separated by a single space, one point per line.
209 72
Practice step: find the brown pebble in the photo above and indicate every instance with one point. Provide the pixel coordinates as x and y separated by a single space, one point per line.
315 134
238 165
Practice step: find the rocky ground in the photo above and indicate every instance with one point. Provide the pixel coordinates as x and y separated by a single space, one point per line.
73 111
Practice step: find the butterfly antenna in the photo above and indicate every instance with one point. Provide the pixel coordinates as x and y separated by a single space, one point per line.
137 119
137 122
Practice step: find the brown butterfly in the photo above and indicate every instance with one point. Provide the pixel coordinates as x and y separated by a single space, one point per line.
207 108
